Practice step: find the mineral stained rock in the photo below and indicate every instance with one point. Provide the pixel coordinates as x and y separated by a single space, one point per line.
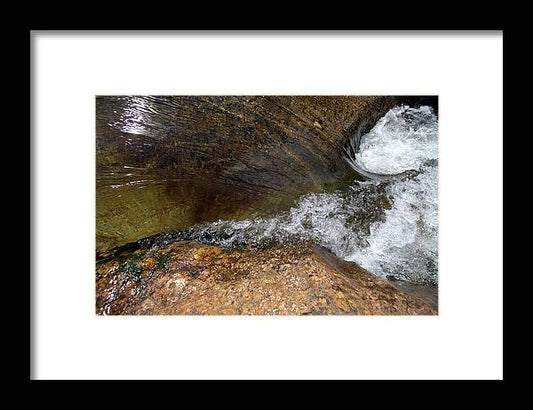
168 162
186 278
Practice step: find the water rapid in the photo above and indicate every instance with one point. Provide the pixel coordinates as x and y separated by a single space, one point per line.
386 225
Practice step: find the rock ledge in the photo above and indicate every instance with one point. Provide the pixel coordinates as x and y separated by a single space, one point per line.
187 278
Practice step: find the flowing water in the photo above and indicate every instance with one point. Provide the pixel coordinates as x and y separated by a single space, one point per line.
386 225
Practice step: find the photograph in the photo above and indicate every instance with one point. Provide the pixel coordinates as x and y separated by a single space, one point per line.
267 205
258 205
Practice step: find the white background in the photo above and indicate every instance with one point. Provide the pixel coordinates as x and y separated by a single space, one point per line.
464 341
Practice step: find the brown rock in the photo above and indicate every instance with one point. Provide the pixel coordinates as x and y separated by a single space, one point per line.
147 264
209 280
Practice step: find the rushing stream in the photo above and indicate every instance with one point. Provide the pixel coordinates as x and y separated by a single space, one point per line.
386 225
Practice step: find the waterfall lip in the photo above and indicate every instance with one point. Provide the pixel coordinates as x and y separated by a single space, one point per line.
352 148
371 176
350 151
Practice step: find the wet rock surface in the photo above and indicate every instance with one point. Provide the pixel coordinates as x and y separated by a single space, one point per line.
192 279
169 162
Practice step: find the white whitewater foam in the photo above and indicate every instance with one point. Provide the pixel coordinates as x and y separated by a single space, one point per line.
403 139
405 244
398 240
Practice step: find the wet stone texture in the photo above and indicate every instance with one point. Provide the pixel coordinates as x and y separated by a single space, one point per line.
192 279
169 162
